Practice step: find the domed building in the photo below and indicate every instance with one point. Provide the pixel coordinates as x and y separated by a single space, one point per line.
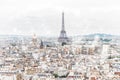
97 44
97 41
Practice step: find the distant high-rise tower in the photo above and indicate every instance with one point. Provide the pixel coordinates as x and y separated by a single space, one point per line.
34 39
41 44
63 39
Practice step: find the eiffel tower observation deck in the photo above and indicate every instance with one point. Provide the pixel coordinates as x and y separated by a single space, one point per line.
63 39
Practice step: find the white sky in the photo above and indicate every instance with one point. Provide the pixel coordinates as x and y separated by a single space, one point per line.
43 17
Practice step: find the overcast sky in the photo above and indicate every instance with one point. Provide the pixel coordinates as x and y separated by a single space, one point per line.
43 17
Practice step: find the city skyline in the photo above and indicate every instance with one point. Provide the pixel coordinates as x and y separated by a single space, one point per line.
43 17
59 40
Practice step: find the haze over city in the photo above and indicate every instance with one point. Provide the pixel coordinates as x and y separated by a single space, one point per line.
43 17
59 40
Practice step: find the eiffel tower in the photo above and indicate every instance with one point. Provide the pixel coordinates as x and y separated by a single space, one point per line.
63 39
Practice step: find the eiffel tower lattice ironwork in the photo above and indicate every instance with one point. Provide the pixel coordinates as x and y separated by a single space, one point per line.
63 39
